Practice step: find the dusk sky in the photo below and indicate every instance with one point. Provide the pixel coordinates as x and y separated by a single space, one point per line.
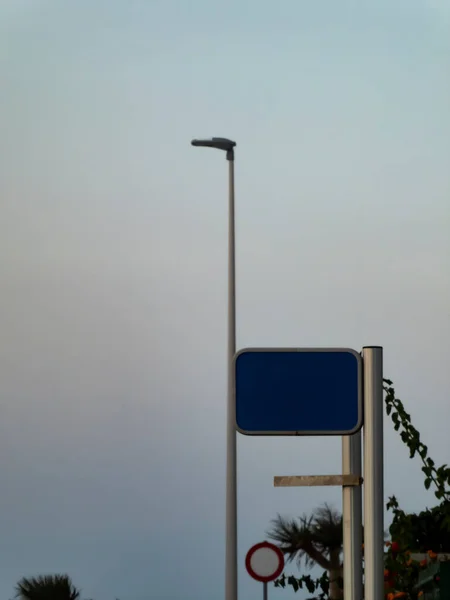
113 234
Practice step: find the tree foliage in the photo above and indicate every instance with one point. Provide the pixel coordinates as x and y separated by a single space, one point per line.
47 587
316 539
309 539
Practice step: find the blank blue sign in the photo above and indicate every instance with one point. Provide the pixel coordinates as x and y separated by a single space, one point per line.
298 391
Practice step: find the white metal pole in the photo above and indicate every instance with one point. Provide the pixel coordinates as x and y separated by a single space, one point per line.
373 474
231 477
352 518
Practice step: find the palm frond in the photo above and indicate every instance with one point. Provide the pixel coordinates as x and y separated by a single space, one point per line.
309 539
327 529
47 587
294 537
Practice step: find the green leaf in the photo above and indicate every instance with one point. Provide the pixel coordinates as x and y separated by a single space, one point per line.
400 405
392 503
423 451
427 471
293 582
324 583
427 483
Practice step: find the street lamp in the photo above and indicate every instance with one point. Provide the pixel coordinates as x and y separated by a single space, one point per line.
231 472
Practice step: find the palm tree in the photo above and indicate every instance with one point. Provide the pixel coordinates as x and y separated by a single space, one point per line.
316 539
47 587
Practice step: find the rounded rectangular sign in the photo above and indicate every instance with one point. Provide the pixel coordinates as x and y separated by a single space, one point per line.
298 391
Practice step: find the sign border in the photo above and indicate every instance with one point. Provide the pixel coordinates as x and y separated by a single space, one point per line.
248 559
360 422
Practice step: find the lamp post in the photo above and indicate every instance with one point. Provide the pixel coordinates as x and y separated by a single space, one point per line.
231 470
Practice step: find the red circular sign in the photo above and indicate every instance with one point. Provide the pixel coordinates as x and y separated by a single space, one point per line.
264 562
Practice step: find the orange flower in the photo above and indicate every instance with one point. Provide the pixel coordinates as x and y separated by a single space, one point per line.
390 596
407 552
399 595
420 593
409 562
423 563
432 554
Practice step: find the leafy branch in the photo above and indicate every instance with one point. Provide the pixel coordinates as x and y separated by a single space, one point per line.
439 477
320 585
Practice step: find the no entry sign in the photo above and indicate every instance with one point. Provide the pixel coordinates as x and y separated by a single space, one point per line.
264 562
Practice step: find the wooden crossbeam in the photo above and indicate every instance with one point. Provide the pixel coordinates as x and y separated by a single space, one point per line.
316 480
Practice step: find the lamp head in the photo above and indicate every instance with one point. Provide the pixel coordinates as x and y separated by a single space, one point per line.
216 142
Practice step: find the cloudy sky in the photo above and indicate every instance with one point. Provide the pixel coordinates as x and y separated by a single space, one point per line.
113 264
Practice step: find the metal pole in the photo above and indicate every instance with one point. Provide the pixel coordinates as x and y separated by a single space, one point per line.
352 518
265 591
231 479
373 474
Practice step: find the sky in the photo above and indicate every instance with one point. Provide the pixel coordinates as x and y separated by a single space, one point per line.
113 249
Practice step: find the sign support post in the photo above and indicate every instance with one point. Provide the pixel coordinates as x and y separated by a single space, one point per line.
373 473
352 518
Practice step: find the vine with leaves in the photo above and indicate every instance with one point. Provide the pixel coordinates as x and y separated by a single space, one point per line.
439 477
320 584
